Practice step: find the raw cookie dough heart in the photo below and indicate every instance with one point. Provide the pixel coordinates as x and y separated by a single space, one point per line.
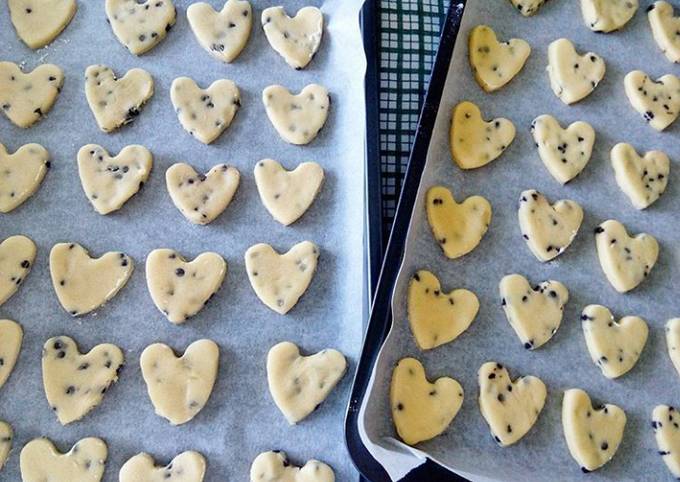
6 436
274 466
296 39
288 194
564 152
113 101
422 410
475 142
108 181
39 22
22 172
458 228
535 313
297 118
436 317
548 229
180 289
299 384
673 341
179 387
527 7
614 346
667 433
642 179
205 113
279 280
593 434
201 197
17 254
573 76
657 101
140 24
83 283
664 28
607 15
223 34
509 407
186 467
26 98
625 260
85 462
495 63
11 336
74 383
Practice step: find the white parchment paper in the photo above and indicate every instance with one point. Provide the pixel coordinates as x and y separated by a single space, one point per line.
564 362
240 420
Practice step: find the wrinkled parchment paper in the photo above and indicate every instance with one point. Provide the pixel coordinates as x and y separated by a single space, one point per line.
240 420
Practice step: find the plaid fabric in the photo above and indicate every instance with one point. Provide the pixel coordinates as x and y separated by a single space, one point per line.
408 45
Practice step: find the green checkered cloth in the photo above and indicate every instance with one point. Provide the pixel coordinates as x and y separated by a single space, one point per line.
408 45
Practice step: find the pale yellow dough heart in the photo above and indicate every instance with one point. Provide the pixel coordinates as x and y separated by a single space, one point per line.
83 283
297 118
665 26
223 34
527 7
186 467
495 63
17 254
23 172
607 15
644 93
437 317
37 23
85 462
422 410
140 24
296 39
573 76
458 228
11 336
25 98
274 466
642 178
667 434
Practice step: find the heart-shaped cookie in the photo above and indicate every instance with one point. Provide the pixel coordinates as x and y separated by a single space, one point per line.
279 280
85 462
673 341
288 194
573 76
223 34
642 179
22 172
614 346
180 289
17 254
527 7
437 317
11 336
664 28
593 434
297 118
667 434
299 384
205 113
626 260
564 152
38 23
495 63
83 283
474 141
657 101
607 15
179 387
113 101
74 383
296 39
422 410
140 24
274 466
509 407
534 312
27 98
108 181
186 467
458 228
6 437
548 229
201 197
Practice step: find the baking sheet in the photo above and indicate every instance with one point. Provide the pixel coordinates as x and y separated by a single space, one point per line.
240 420
564 362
